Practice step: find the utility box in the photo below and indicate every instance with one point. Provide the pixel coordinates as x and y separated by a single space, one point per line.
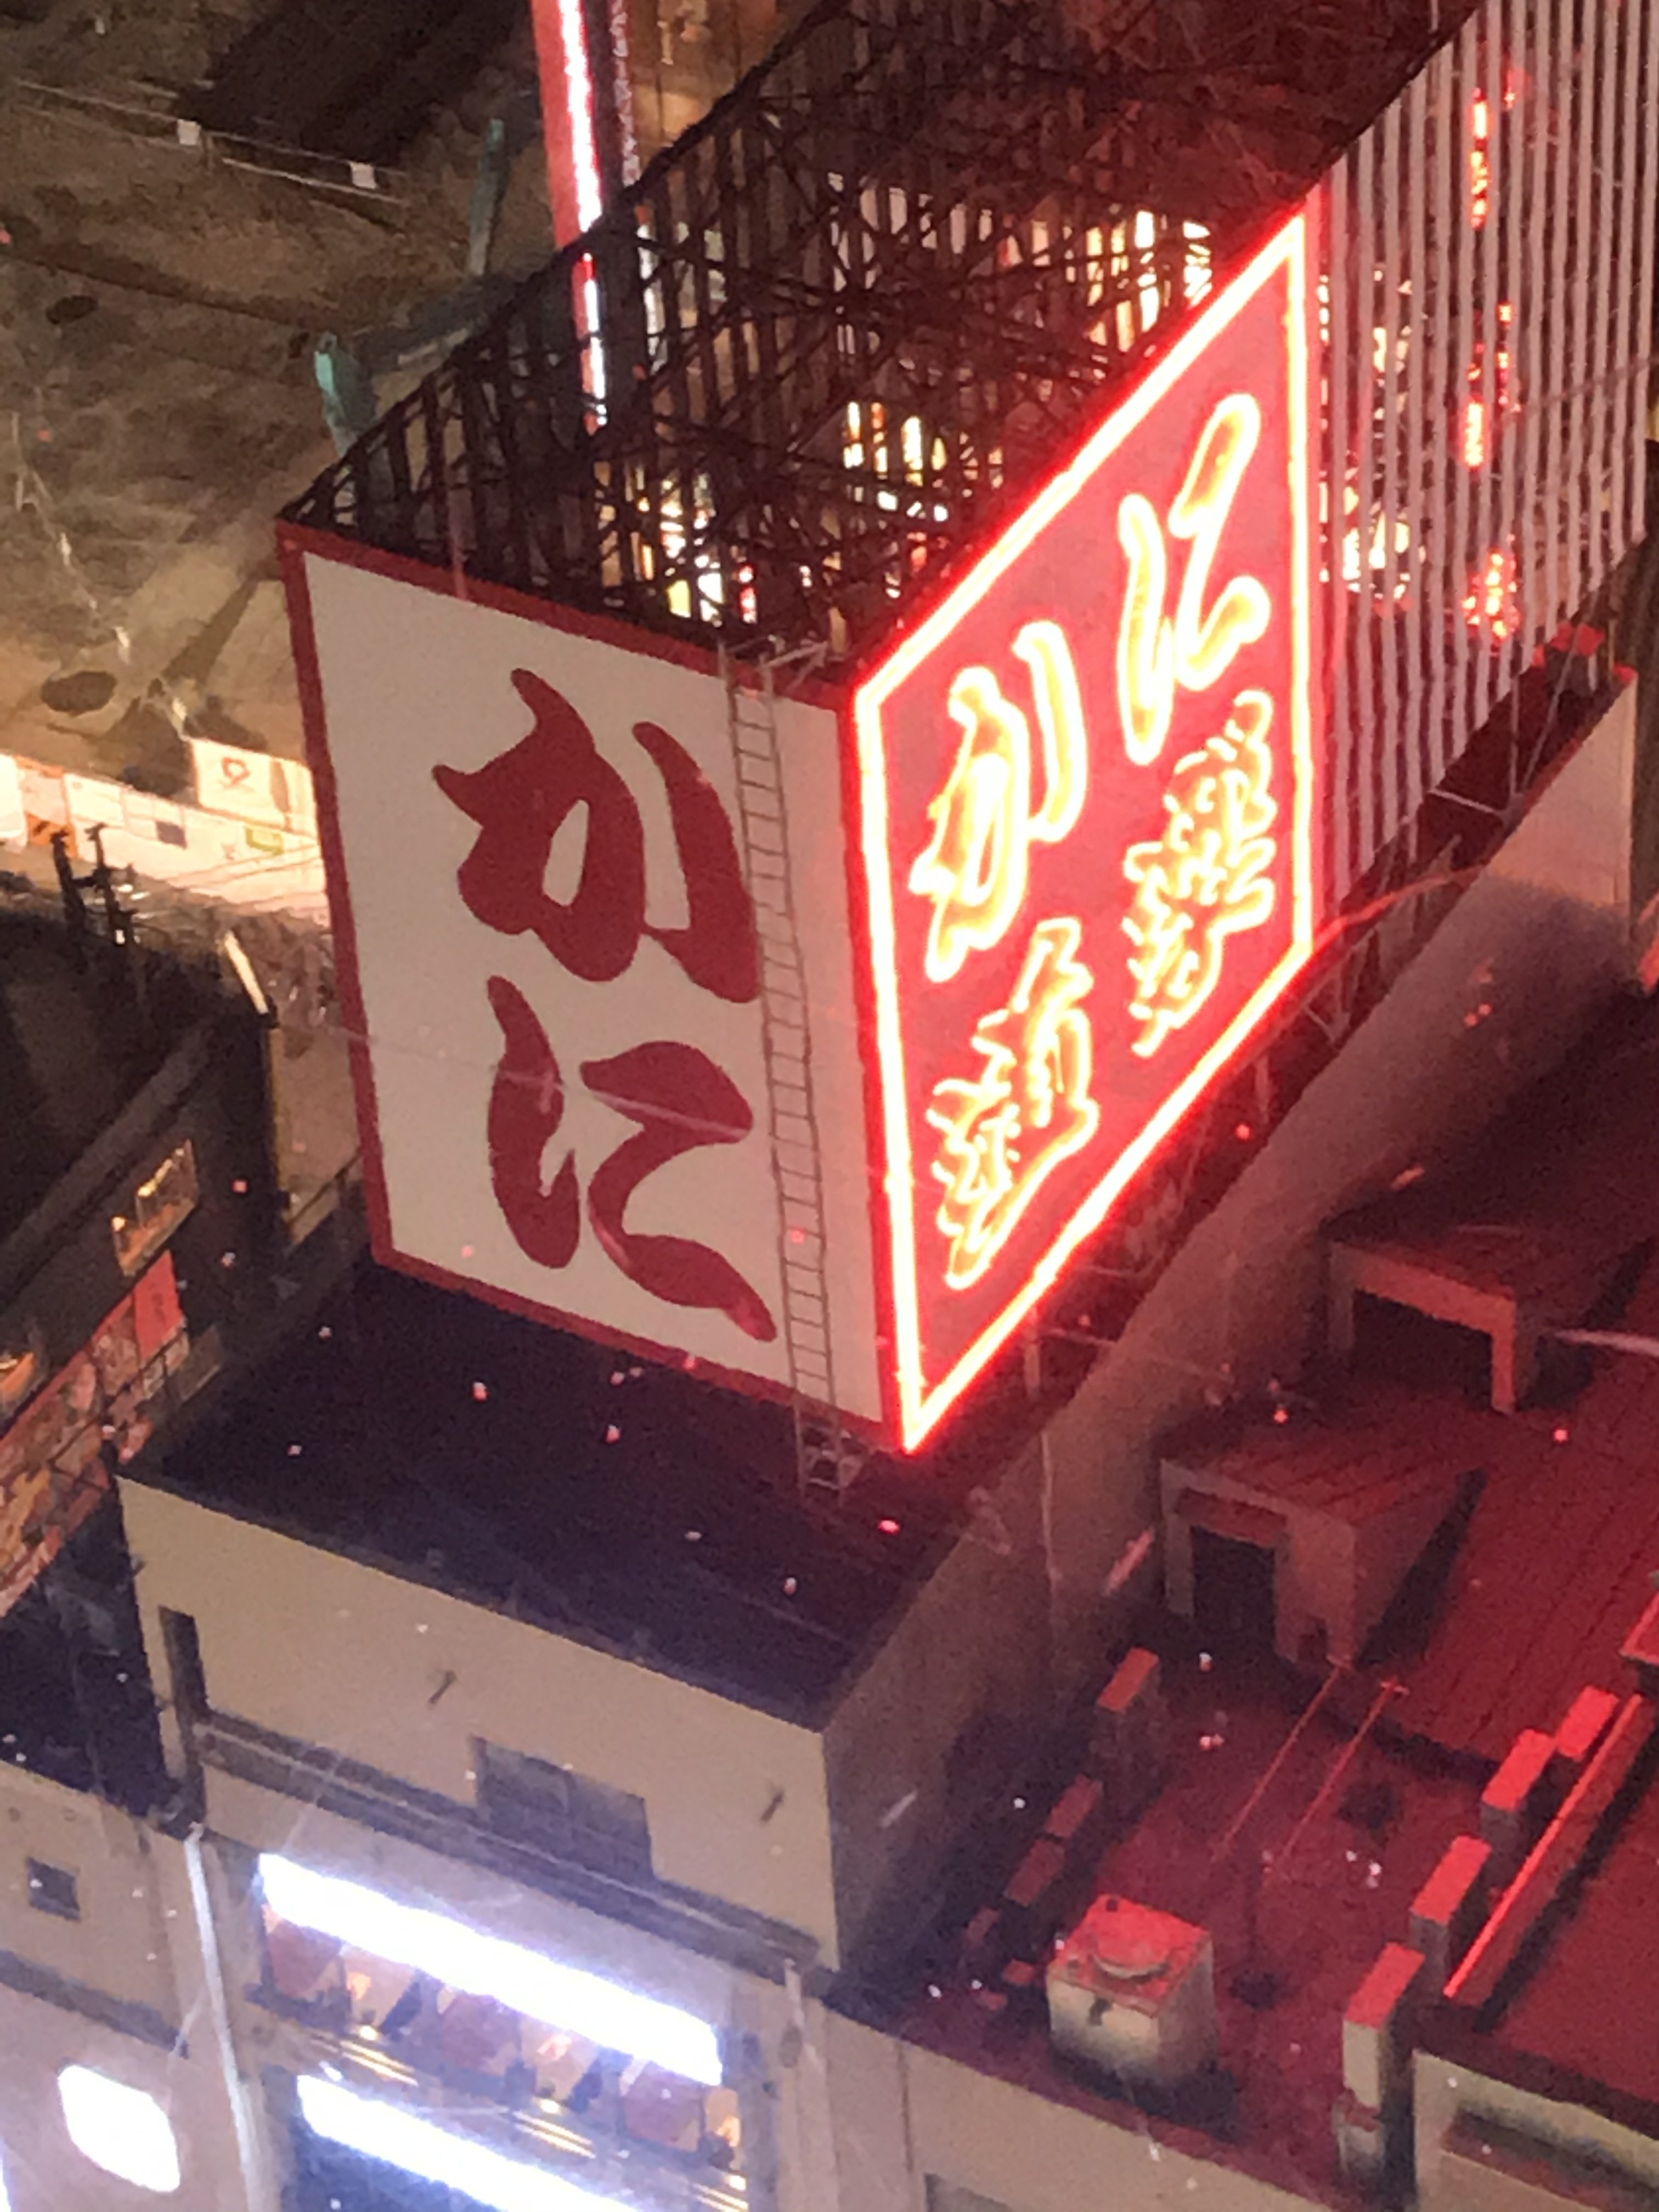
1132 1994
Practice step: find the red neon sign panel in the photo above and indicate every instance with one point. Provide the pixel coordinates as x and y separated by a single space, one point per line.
1086 787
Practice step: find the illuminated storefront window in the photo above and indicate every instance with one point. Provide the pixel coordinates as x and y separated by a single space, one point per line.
415 1992
22 1370
158 1204
1086 784
377 2129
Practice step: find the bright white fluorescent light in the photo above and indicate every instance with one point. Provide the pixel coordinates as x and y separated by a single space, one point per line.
385 2131
123 2129
489 1967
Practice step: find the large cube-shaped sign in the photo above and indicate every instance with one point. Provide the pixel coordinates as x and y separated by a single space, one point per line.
582 998
600 923
1086 790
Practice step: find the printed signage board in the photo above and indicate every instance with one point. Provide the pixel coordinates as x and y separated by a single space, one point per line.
571 1098
1086 795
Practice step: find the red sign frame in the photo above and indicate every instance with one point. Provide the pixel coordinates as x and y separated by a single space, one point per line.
1014 1075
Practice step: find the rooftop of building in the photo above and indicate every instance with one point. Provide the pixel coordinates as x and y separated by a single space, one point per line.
1292 1940
1528 1596
626 1505
858 311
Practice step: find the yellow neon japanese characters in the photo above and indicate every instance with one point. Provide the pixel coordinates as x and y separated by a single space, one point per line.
1156 655
977 863
1003 1133
1207 877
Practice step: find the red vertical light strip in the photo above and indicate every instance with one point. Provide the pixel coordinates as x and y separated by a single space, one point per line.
567 79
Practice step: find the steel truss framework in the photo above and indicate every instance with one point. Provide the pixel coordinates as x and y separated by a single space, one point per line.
864 303
874 296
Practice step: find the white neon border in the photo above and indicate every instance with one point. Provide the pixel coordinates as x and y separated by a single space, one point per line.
615 2018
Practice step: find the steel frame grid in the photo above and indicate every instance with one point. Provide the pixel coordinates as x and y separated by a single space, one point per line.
937 212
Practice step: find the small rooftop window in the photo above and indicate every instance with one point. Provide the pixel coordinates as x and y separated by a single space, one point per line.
52 1889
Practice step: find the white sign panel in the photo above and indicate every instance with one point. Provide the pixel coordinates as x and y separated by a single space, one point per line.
14 816
253 786
548 941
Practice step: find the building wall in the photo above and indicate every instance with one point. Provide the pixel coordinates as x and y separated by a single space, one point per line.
1442 2089
917 2132
311 1645
128 1989
1541 939
43 2170
118 1945
953 1700
59 1272
1515 267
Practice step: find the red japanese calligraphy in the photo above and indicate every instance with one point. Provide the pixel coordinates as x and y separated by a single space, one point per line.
680 1100
526 1105
1003 1133
521 800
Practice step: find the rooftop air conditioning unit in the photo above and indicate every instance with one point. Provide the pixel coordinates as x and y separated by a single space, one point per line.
1132 1994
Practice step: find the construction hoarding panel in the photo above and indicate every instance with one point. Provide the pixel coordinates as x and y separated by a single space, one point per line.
1086 792
578 1037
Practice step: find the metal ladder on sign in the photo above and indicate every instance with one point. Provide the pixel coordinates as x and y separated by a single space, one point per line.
826 1456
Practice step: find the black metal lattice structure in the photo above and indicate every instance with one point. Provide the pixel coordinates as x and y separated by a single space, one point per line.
871 297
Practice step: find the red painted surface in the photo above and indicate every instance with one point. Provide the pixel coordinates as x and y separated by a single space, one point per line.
1086 823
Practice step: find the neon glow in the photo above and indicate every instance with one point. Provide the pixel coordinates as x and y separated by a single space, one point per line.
1153 655
120 2129
615 2018
1480 161
1011 1074
377 2129
1491 603
975 867
579 112
990 1168
1206 878
1474 434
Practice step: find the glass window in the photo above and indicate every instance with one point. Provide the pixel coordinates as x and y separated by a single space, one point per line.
569 1815
120 2129
22 1370
52 1889
158 1206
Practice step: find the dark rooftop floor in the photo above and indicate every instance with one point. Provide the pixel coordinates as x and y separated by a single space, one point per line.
626 1505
